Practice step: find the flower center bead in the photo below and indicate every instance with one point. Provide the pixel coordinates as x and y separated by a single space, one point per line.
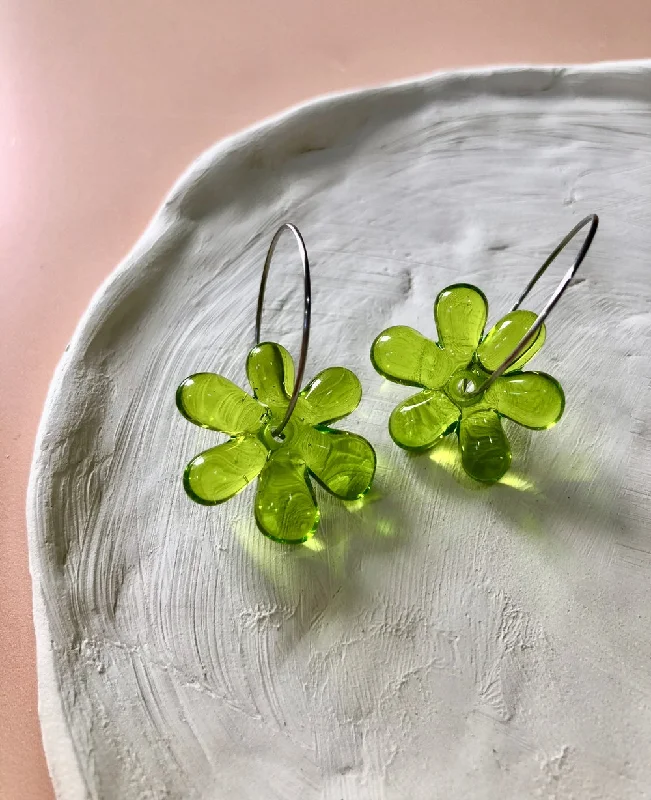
462 386
271 440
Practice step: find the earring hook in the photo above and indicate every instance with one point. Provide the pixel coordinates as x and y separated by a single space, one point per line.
593 221
307 291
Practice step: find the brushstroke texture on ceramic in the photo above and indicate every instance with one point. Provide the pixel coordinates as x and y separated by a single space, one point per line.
436 638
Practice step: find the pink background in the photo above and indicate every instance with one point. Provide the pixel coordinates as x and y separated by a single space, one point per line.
102 105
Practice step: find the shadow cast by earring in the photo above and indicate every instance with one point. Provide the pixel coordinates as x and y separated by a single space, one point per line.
324 573
574 494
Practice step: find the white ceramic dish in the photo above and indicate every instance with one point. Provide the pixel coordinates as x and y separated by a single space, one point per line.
441 641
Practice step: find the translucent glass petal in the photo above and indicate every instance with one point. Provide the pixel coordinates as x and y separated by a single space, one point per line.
270 370
420 420
333 394
220 473
503 338
216 403
342 462
460 312
403 355
485 450
285 508
533 399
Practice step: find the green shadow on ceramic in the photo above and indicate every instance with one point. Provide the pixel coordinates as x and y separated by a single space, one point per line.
560 488
325 574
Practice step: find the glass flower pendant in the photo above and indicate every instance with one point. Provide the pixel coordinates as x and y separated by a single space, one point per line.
308 448
450 374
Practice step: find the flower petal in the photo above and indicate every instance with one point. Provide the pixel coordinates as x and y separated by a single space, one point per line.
333 394
485 450
270 370
420 420
218 474
285 508
217 403
403 355
460 312
503 338
342 462
532 399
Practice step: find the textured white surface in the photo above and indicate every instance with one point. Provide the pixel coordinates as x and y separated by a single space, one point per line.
442 641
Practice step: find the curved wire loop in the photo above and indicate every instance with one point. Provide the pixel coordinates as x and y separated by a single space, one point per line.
593 221
307 288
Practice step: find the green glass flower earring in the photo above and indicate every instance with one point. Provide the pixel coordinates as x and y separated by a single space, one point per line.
469 381
282 434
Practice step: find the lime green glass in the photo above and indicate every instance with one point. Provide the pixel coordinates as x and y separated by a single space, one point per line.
308 448
449 373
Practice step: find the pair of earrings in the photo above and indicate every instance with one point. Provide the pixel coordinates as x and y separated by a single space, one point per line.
283 434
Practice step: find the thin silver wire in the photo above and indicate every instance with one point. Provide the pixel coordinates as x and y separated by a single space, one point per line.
593 221
307 287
